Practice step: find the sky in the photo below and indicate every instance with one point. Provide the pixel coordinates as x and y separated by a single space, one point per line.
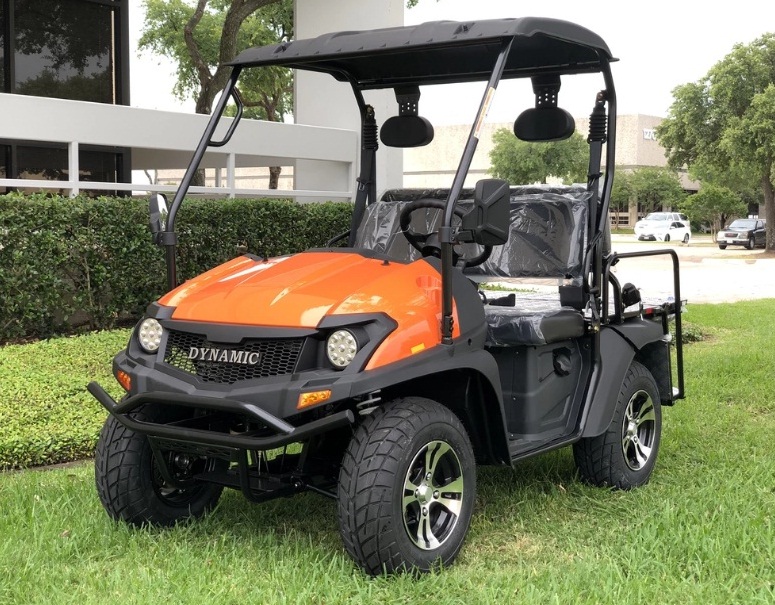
660 44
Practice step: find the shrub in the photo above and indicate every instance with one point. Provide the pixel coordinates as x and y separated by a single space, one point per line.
72 262
46 414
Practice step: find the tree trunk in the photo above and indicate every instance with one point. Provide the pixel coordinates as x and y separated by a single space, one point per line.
274 176
769 207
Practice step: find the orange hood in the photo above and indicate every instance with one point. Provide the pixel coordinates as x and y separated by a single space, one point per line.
299 290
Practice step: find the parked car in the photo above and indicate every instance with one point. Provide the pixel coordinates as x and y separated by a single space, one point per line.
664 227
748 232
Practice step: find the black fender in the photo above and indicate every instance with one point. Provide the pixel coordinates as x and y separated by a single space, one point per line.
619 345
462 377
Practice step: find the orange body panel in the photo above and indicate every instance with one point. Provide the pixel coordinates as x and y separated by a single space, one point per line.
299 290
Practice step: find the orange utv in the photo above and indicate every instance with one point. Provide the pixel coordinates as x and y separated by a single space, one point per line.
378 371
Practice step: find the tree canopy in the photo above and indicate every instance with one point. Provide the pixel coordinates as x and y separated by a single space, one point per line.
201 36
201 39
723 126
655 188
715 205
522 163
621 194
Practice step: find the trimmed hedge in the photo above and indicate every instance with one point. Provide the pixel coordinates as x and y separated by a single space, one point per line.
89 262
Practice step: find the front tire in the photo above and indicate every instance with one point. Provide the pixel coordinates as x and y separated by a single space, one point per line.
686 238
406 488
131 487
751 243
722 246
667 238
623 457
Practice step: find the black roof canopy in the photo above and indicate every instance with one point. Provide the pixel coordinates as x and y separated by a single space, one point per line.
440 52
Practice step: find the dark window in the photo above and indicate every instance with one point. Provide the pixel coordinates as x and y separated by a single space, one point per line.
2 46
37 162
5 154
100 166
49 161
65 49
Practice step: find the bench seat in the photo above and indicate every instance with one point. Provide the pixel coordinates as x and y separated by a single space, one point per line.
512 326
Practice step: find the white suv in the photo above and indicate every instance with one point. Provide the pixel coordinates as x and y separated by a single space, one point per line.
664 227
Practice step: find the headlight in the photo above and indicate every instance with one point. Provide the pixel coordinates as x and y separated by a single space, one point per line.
149 335
341 348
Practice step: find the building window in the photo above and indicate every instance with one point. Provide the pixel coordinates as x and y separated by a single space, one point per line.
5 154
3 27
49 161
67 49
38 162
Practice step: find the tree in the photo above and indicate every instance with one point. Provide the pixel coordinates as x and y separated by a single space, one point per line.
725 123
655 188
520 162
714 204
621 194
201 39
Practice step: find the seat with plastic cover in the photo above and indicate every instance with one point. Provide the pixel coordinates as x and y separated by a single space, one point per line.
547 237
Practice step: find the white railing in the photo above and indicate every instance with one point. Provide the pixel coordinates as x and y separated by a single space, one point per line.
166 140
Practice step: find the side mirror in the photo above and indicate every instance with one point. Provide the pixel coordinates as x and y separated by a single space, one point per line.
158 209
487 223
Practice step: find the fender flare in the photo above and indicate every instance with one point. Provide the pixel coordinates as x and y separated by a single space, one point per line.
465 358
618 347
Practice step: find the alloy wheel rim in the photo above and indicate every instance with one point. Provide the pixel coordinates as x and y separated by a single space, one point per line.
433 495
639 430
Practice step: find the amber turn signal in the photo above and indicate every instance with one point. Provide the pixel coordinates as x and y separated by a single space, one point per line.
125 380
308 399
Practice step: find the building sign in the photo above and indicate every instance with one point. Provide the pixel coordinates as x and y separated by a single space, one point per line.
649 134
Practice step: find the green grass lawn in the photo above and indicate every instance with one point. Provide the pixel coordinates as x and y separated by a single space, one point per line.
703 530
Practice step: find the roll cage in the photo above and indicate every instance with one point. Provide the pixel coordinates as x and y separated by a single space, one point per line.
437 53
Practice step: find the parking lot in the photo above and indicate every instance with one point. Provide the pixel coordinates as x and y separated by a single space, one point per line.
707 273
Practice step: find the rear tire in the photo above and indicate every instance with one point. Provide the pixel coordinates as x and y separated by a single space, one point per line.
686 238
751 243
407 486
623 457
130 485
667 238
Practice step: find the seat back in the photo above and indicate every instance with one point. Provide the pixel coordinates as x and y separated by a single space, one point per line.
547 235
547 230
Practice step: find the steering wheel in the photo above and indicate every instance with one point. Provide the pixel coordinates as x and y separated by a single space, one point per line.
428 244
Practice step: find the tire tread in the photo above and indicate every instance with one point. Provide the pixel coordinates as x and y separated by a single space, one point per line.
366 481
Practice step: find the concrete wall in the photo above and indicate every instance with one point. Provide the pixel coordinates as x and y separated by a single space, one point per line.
166 140
322 101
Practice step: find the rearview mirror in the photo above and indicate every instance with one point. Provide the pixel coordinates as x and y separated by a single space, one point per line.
487 223
158 210
544 124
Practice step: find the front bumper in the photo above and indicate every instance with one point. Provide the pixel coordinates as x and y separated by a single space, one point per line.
732 241
285 433
653 237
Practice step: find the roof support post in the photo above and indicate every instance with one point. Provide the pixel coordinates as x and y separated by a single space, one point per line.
445 231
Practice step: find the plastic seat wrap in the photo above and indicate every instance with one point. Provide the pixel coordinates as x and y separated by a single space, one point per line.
547 237
532 321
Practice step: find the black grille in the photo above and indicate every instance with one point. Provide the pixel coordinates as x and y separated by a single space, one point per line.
275 357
